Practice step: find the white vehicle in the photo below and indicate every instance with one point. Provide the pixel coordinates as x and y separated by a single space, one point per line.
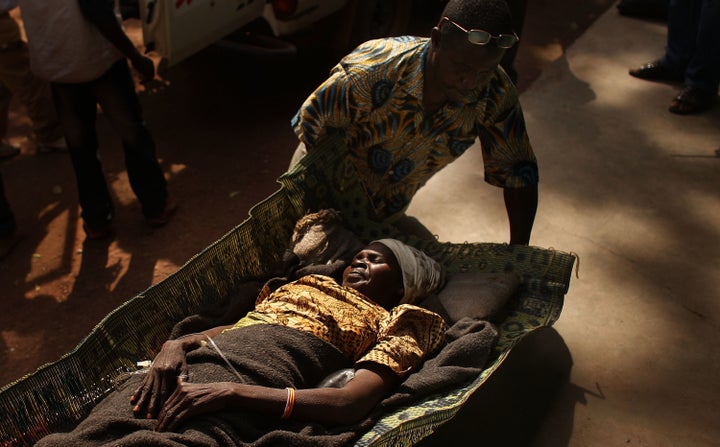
176 29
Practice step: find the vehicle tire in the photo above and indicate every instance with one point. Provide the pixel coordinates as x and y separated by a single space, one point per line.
380 18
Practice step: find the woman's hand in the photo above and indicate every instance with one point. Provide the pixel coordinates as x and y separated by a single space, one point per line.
192 399
332 406
161 380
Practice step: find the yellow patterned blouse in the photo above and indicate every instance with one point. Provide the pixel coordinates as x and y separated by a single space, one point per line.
375 96
364 331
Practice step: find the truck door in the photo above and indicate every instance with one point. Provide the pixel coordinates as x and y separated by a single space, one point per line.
177 29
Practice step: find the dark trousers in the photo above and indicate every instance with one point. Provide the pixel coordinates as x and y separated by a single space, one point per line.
693 43
76 106
7 219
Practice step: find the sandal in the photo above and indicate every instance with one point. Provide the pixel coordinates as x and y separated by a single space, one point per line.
692 99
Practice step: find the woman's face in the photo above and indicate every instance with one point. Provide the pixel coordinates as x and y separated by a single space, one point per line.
375 273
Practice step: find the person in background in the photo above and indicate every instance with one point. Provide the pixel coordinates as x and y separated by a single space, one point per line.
79 46
408 106
692 55
17 79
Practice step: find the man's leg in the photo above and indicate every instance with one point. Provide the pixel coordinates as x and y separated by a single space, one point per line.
116 95
693 44
703 70
76 108
32 92
5 98
683 20
9 34
7 150
9 236
7 218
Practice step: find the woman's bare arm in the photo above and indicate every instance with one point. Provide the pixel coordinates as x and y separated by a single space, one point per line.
168 365
332 406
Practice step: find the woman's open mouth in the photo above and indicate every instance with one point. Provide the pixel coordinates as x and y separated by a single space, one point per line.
356 273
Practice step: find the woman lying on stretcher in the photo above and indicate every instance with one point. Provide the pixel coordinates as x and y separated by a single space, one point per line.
369 320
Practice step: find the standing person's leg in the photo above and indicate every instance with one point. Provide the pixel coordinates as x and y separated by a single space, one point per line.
5 98
9 235
32 92
9 34
116 94
683 20
703 70
36 96
76 108
694 40
7 218
680 44
7 150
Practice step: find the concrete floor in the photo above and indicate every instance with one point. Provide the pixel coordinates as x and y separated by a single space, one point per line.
635 191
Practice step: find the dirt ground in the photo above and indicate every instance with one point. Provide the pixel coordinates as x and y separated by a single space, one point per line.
221 123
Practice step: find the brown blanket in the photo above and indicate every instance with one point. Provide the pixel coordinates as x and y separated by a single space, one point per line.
279 357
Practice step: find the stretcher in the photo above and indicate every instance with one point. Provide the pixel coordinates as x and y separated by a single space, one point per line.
58 395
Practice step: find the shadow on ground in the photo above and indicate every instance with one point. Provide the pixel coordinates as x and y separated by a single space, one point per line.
510 408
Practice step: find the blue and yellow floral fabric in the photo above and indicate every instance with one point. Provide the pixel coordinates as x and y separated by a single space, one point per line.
374 95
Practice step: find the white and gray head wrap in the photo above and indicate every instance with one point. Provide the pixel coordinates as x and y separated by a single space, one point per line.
421 273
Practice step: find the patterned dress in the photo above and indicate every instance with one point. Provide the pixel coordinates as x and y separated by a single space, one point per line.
364 331
374 95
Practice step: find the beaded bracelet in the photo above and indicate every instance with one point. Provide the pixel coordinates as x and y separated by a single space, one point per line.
290 403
